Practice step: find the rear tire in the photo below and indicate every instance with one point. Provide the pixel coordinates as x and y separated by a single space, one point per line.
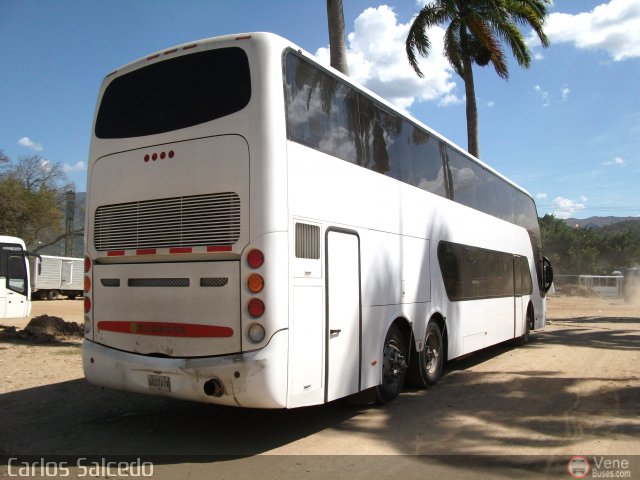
426 369
524 338
52 295
394 366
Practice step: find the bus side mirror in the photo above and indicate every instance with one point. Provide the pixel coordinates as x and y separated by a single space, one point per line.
547 274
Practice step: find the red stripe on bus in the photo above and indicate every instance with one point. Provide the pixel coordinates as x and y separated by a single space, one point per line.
146 251
115 253
166 329
219 248
181 250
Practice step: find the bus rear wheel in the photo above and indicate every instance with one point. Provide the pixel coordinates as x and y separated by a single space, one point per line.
394 366
426 369
524 339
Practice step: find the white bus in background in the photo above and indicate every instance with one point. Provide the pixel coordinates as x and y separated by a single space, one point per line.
262 232
14 278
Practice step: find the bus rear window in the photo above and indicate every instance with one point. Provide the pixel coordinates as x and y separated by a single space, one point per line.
176 93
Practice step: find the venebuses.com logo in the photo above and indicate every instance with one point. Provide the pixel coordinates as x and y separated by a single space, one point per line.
578 467
598 467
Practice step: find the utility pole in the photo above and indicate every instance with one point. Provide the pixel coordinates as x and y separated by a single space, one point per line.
69 217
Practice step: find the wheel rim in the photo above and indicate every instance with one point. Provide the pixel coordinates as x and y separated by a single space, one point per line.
393 364
431 353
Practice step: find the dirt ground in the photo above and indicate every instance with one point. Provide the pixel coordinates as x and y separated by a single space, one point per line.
574 389
22 362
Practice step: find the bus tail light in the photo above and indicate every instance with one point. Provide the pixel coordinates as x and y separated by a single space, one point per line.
256 332
256 307
255 283
87 298
255 258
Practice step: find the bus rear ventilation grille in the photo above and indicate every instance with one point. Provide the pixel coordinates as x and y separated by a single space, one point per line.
197 220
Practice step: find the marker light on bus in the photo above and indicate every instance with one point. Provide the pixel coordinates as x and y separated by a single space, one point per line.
87 264
255 283
255 258
256 332
256 307
87 304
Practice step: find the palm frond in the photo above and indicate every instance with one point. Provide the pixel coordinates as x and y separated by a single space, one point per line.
418 41
452 47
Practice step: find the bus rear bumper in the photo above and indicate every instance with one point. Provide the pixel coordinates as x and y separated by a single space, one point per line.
254 379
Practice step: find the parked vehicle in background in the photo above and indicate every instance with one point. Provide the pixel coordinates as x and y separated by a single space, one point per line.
55 276
14 278
607 286
631 285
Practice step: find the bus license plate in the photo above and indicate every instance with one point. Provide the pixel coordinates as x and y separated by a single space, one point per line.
159 383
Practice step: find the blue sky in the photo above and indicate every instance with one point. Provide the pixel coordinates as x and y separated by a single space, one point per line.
567 129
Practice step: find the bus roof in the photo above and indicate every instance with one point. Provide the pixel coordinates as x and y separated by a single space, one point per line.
208 43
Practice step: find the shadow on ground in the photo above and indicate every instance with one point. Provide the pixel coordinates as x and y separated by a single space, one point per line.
535 409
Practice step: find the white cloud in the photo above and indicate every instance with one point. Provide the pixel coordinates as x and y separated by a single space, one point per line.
618 161
77 167
376 57
28 143
613 27
544 95
565 207
541 196
565 93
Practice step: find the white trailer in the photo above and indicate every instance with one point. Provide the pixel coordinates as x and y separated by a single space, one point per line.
53 276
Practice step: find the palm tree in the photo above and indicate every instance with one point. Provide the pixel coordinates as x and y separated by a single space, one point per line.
337 43
474 35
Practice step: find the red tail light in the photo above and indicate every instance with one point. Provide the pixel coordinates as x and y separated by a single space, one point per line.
255 258
256 307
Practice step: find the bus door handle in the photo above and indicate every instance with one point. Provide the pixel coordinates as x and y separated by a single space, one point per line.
335 331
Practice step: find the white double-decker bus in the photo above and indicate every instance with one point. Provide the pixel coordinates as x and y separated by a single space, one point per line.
262 232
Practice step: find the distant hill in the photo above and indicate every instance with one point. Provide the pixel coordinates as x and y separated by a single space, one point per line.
601 222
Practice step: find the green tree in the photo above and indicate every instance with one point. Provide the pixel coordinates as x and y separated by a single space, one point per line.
476 31
582 251
618 249
337 43
31 192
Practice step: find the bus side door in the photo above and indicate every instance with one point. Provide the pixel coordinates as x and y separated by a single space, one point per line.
343 314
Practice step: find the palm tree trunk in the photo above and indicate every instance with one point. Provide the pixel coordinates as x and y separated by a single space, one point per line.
472 109
337 42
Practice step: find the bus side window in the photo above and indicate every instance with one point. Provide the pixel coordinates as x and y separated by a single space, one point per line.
428 168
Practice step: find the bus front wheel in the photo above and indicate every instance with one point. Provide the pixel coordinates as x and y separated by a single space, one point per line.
394 365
